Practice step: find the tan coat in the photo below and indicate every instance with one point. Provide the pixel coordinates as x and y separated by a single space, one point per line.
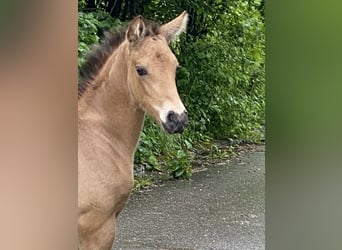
137 75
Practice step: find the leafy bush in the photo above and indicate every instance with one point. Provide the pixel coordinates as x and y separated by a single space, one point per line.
158 151
223 75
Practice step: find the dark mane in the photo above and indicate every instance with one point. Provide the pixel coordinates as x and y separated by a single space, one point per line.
97 58
101 52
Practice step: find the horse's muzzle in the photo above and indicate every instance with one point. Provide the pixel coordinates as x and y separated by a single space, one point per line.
175 123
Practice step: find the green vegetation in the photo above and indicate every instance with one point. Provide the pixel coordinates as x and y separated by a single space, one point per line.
221 81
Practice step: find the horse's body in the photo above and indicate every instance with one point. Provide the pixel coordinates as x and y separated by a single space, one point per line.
132 73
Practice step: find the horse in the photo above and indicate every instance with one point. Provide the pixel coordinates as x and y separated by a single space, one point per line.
130 73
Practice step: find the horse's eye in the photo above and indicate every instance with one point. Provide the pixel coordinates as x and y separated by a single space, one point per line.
141 71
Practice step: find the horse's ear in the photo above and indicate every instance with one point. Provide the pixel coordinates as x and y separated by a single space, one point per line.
175 27
136 30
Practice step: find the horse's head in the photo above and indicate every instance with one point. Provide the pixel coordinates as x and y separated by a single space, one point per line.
152 70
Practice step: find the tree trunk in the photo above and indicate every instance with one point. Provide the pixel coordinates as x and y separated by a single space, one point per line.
114 8
90 6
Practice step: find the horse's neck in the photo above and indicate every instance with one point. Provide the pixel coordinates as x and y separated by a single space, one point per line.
113 106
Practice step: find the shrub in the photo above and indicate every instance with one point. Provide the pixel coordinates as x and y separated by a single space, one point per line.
222 80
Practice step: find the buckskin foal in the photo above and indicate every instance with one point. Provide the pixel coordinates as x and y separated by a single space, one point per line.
131 72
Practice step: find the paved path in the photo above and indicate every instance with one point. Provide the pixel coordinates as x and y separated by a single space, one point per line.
220 208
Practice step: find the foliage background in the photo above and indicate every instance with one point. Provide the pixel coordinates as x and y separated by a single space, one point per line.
221 81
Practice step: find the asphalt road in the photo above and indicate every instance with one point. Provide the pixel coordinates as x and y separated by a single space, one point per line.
220 208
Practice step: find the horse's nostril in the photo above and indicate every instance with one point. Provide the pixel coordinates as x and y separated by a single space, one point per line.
175 123
171 116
